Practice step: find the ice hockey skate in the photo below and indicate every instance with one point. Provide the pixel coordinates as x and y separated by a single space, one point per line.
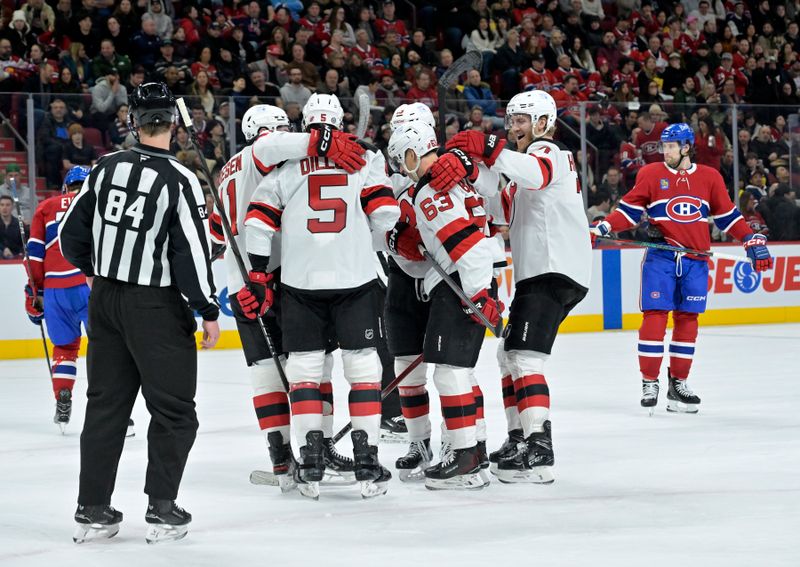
166 521
483 459
131 432
96 522
534 464
459 470
650 395
509 448
411 466
680 399
311 468
63 409
339 470
394 430
283 464
374 478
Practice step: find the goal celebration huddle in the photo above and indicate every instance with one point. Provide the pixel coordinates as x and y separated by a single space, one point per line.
389 259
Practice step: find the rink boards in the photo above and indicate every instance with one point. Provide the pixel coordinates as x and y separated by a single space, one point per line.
736 296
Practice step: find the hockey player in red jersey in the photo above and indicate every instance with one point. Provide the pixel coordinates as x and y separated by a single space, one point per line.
450 225
679 198
63 289
328 281
552 268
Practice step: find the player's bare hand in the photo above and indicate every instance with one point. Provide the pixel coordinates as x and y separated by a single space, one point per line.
210 334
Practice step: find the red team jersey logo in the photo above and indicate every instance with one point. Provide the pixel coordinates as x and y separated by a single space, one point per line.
684 209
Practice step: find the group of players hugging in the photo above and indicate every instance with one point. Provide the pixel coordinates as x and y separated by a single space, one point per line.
311 210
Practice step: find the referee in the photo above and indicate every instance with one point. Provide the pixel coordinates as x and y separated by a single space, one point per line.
137 230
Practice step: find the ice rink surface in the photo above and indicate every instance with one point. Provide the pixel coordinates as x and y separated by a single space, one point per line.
721 488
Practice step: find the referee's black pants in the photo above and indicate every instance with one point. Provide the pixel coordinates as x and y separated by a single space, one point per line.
139 336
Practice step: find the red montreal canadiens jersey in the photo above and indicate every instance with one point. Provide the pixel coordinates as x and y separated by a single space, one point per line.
49 268
649 142
680 202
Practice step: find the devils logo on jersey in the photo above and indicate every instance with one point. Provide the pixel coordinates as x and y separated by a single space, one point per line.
684 209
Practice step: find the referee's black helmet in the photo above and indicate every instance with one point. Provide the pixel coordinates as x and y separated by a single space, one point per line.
150 103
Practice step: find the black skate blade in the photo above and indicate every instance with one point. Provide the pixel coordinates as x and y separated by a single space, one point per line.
91 532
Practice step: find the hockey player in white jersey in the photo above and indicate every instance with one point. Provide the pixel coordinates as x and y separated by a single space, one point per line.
328 280
450 228
551 251
238 180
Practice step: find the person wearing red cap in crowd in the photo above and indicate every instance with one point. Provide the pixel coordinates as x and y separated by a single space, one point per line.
537 77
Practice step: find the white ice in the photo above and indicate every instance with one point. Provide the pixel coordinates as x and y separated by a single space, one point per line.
721 488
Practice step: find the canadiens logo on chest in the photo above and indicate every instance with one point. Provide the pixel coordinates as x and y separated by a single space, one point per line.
684 209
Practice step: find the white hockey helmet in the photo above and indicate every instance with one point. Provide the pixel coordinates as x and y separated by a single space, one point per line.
263 116
323 109
415 111
416 136
535 104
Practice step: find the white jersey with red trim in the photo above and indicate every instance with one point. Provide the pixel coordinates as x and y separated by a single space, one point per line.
325 216
452 227
238 180
547 223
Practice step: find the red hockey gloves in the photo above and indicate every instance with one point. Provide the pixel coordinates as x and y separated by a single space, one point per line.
756 247
487 305
339 147
450 168
33 304
256 297
404 240
481 146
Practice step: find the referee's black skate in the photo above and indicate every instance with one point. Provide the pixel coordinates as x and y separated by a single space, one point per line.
394 430
311 467
96 522
166 521
411 466
459 470
649 395
63 409
680 399
534 463
373 476
509 448
283 461
339 470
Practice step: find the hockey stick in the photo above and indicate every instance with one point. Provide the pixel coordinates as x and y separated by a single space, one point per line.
218 254
679 249
26 261
470 60
496 331
226 227
363 115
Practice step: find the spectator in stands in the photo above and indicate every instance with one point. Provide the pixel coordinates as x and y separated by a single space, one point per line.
294 90
107 94
51 139
479 94
674 75
423 92
338 21
267 93
40 16
390 45
128 19
685 95
602 136
309 70
146 43
27 197
10 239
204 64
84 33
709 144
648 138
162 20
748 203
764 146
240 48
417 44
8 77
600 206
781 214
537 77
169 59
554 48
68 85
486 41
364 22
118 129
202 90
272 66
76 152
108 58
648 74
215 144
388 22
19 34
114 33
388 93
568 99
510 61
613 184
254 26
278 37
608 50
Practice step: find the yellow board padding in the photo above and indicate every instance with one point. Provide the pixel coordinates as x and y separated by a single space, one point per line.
229 339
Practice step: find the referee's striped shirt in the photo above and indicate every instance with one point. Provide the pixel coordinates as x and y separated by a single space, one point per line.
140 218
